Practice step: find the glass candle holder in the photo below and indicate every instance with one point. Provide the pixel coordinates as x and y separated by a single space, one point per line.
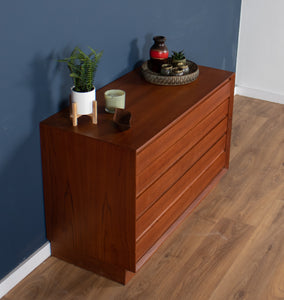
114 99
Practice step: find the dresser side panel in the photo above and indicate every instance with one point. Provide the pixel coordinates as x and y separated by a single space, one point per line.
89 189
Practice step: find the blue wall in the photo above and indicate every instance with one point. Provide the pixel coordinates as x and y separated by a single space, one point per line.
34 33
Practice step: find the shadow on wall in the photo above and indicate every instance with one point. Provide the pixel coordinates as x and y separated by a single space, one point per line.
135 60
22 227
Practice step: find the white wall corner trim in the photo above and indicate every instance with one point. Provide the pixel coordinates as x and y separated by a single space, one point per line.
26 267
259 94
260 50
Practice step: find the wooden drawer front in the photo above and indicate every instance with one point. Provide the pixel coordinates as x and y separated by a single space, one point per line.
166 220
180 128
151 195
146 221
173 153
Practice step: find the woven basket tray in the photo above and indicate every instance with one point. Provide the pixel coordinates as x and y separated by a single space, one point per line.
159 79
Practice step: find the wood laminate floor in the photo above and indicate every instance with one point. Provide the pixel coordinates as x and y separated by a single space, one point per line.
230 247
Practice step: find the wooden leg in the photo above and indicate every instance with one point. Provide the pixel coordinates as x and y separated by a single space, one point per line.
95 113
70 108
74 114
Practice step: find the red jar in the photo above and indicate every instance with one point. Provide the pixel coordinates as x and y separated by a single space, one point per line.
159 54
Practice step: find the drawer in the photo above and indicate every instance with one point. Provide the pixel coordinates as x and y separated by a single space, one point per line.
177 170
146 221
171 215
158 145
173 153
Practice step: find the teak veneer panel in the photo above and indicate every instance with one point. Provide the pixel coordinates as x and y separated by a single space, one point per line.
179 188
192 192
178 169
179 129
153 108
84 176
103 212
173 153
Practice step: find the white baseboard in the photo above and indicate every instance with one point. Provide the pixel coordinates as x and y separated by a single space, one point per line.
26 267
259 94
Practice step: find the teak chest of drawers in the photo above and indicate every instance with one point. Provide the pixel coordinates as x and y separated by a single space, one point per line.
112 197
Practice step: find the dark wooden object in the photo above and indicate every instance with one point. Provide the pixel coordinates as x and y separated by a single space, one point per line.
112 197
122 119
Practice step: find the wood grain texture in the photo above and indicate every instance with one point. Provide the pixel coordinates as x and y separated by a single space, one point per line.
153 108
230 119
82 178
196 114
182 217
180 204
231 247
167 179
214 256
171 154
258 261
91 174
176 190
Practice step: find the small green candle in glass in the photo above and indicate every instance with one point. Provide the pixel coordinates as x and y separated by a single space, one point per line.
114 99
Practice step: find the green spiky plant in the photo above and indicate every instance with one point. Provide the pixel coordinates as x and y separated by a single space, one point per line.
83 68
178 55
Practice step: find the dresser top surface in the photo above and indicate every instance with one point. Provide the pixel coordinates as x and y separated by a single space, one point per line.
153 108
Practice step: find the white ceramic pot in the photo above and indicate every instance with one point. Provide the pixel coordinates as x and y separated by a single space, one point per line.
84 101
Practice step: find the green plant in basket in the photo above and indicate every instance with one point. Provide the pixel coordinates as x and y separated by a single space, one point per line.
83 68
178 57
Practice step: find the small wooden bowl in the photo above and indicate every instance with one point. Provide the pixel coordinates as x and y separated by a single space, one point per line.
122 119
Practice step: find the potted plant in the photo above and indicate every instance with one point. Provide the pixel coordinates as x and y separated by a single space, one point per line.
83 69
178 57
